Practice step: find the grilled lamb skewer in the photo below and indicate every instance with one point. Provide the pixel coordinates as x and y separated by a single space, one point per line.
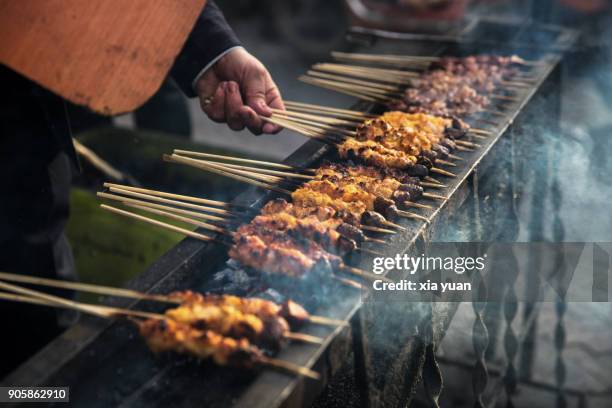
289 310
387 188
166 335
225 319
347 225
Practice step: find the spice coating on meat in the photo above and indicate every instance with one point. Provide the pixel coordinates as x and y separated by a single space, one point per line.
164 335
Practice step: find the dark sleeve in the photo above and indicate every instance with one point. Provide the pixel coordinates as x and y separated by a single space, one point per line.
210 36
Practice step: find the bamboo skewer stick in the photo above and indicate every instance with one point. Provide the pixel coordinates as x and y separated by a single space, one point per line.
176 196
187 220
442 172
240 160
425 58
435 196
344 83
151 197
339 78
377 229
126 293
289 367
321 109
264 171
311 123
86 287
318 118
397 73
194 214
100 311
300 129
161 224
467 144
194 163
408 75
361 93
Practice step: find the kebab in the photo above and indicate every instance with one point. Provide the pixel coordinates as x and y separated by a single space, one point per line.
292 312
163 334
352 211
222 317
330 234
267 250
384 184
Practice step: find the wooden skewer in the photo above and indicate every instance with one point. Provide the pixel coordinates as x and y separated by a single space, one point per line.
156 198
364 274
376 240
445 163
161 224
263 171
326 321
303 337
340 78
317 118
372 89
300 129
187 220
86 287
376 229
376 79
195 163
481 132
435 196
415 58
417 205
322 108
454 157
239 160
100 311
358 93
290 367
432 180
464 149
442 172
414 216
432 185
177 196
194 214
357 68
220 166
477 136
467 144
318 125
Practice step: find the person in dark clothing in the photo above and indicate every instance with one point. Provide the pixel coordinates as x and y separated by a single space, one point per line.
37 158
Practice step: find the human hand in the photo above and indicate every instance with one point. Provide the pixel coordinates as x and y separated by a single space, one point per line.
237 89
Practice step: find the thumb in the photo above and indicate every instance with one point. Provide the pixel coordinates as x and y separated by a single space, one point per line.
207 84
254 90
